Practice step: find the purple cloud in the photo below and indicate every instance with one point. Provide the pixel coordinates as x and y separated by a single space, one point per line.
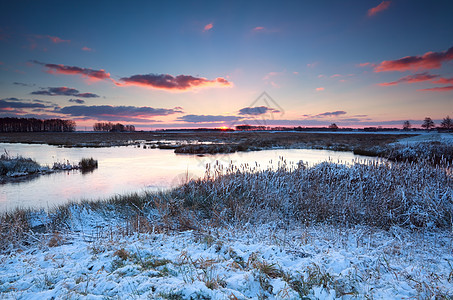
169 82
63 91
331 114
78 101
73 70
258 110
207 118
117 113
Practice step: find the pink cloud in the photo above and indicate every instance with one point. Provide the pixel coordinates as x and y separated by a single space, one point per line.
438 89
383 6
319 89
208 27
444 81
171 83
429 60
271 74
258 28
85 48
57 40
335 75
367 64
53 39
72 70
412 79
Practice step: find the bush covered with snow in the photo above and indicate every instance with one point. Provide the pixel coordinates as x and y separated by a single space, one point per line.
9 166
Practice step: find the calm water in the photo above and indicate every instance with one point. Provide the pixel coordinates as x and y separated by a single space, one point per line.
129 169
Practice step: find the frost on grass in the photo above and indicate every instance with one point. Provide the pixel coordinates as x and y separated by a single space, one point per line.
252 262
377 230
17 166
12 167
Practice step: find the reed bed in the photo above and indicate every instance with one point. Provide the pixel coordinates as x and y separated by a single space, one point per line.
414 195
411 195
10 165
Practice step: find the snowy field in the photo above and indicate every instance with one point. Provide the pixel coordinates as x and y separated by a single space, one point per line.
446 138
318 262
363 231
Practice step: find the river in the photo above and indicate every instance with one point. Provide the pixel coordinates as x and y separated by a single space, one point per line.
129 169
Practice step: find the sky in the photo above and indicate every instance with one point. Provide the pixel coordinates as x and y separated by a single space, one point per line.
184 64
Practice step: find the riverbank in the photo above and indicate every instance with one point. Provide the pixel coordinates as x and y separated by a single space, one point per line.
258 139
327 231
16 168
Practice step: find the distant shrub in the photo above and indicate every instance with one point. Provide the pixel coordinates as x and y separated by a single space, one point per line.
88 164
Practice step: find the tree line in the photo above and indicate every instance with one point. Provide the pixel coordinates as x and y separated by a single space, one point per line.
36 125
429 124
110 127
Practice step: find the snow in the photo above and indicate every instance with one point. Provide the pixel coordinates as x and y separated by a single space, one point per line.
324 262
444 137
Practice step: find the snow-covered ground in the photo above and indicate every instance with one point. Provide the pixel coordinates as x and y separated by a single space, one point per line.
102 256
319 262
434 136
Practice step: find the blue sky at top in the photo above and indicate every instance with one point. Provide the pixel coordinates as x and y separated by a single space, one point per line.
322 61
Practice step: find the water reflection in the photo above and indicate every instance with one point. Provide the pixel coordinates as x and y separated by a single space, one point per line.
130 169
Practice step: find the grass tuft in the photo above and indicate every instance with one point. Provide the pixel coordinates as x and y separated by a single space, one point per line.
87 164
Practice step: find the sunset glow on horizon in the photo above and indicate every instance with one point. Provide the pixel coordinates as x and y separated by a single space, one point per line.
202 64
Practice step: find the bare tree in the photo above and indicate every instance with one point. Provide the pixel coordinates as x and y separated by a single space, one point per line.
428 123
407 125
446 123
333 126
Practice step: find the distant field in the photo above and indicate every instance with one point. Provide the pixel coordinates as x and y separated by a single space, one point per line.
335 141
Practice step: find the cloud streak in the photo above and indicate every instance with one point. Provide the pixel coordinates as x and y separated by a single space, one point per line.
156 81
53 39
411 79
118 113
427 61
73 70
78 101
421 77
207 118
258 110
438 89
331 114
63 91
377 9
171 83
208 27
16 106
444 80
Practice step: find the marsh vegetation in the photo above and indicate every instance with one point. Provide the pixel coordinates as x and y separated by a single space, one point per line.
328 230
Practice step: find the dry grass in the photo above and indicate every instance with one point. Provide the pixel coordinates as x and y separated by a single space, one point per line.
411 195
404 194
263 139
18 164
